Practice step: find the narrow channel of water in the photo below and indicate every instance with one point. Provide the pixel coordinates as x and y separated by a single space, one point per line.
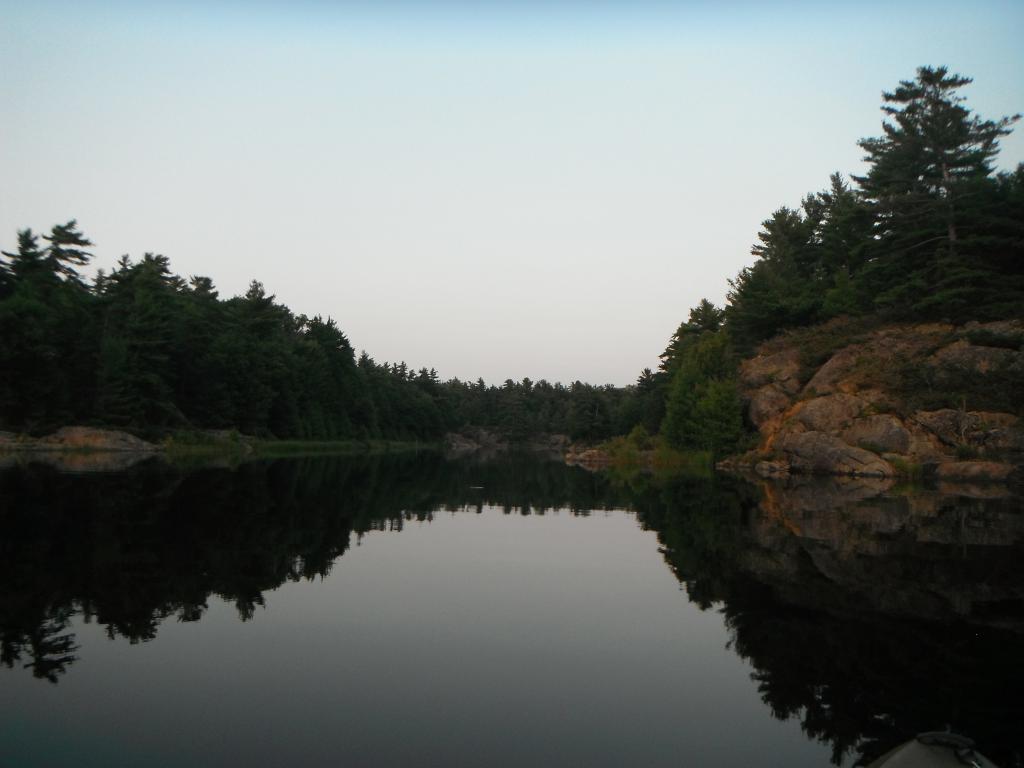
415 611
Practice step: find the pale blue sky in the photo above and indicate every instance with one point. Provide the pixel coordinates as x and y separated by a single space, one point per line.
492 189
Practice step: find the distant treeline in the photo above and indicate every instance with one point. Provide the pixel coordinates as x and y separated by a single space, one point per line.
145 349
929 232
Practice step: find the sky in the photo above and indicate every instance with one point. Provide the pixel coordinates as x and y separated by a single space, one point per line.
492 189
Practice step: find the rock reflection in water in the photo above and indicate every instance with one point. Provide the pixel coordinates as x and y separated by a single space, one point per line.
924 554
867 613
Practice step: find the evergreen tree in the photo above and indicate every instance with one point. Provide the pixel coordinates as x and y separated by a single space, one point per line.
934 157
703 409
200 392
843 228
29 261
706 316
588 417
47 345
136 374
65 252
651 400
782 289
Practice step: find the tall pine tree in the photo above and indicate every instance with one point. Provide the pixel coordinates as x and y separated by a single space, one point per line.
926 173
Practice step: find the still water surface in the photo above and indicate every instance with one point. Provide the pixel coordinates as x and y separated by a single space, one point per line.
416 611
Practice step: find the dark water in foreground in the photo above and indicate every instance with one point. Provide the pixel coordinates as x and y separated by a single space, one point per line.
412 611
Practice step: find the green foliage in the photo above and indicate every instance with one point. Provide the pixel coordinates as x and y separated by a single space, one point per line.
640 438
146 350
932 198
632 451
706 317
719 417
65 252
842 297
768 297
521 410
928 233
907 469
704 411
805 267
47 340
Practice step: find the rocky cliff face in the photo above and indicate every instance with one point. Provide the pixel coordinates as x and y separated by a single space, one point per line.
844 399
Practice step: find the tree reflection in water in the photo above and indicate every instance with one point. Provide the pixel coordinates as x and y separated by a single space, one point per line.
868 614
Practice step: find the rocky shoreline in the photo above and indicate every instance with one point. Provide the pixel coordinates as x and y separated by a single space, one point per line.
477 440
78 449
78 439
863 412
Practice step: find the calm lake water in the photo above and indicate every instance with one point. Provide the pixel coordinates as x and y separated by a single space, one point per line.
409 610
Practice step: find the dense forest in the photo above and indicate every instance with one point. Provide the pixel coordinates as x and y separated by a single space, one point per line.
145 349
930 231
